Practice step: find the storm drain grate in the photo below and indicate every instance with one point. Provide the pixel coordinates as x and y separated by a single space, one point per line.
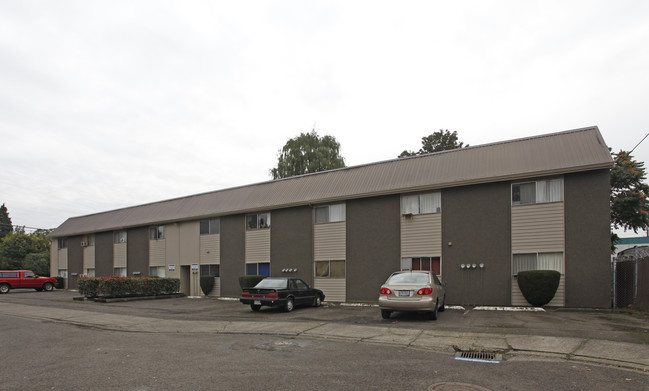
479 357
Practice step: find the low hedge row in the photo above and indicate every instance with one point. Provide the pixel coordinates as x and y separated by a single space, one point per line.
127 286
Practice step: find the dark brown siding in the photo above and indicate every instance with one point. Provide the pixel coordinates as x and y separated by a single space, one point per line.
291 242
137 251
233 252
588 242
75 261
104 254
476 220
373 245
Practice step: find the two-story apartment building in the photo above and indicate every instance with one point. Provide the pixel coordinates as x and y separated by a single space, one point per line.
476 216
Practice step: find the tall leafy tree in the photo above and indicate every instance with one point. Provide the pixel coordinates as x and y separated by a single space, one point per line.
441 140
5 222
629 195
308 153
19 250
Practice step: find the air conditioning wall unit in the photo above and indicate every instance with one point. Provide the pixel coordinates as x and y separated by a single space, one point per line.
84 244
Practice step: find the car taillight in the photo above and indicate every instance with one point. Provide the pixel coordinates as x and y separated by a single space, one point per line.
425 291
385 291
245 294
272 295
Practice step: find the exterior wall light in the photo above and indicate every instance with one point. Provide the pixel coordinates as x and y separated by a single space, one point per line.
474 266
482 266
462 266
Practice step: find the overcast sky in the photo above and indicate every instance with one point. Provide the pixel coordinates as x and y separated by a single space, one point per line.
109 104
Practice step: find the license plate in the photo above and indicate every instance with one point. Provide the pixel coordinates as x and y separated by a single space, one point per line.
404 293
257 302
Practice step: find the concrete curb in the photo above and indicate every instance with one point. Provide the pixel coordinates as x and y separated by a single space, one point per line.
512 347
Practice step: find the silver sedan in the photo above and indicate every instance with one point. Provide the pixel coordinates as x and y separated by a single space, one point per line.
412 291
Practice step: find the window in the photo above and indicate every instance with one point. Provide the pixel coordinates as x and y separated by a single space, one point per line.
9 274
156 271
90 272
119 272
330 214
537 261
422 263
88 240
119 237
63 273
258 221
330 269
211 270
30 275
156 233
421 203
258 269
63 243
297 284
537 192
210 227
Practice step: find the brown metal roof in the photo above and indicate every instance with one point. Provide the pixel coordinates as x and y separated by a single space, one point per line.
551 154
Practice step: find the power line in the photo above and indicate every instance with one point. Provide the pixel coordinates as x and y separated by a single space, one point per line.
636 146
20 226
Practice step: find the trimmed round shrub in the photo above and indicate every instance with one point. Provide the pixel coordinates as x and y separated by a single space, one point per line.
207 284
60 282
539 286
249 281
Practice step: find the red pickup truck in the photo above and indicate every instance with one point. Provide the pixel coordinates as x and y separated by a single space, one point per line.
14 279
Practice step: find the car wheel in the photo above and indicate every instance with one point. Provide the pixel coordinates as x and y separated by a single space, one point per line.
385 314
443 306
433 314
255 307
48 287
4 288
317 301
289 305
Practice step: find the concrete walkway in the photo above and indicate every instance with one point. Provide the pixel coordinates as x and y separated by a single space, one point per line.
510 346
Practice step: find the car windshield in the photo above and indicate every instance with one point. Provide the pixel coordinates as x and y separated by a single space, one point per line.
410 278
272 283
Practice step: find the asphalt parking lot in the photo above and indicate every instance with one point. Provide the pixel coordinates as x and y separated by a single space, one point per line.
602 324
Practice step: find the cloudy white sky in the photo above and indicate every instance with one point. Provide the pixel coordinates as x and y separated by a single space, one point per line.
108 104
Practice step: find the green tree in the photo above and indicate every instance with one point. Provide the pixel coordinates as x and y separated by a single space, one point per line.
308 153
442 140
629 204
5 222
19 250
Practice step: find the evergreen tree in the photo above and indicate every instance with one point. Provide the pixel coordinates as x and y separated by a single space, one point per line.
629 193
6 226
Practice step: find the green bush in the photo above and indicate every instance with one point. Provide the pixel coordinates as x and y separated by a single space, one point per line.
207 284
539 286
127 286
88 287
249 281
